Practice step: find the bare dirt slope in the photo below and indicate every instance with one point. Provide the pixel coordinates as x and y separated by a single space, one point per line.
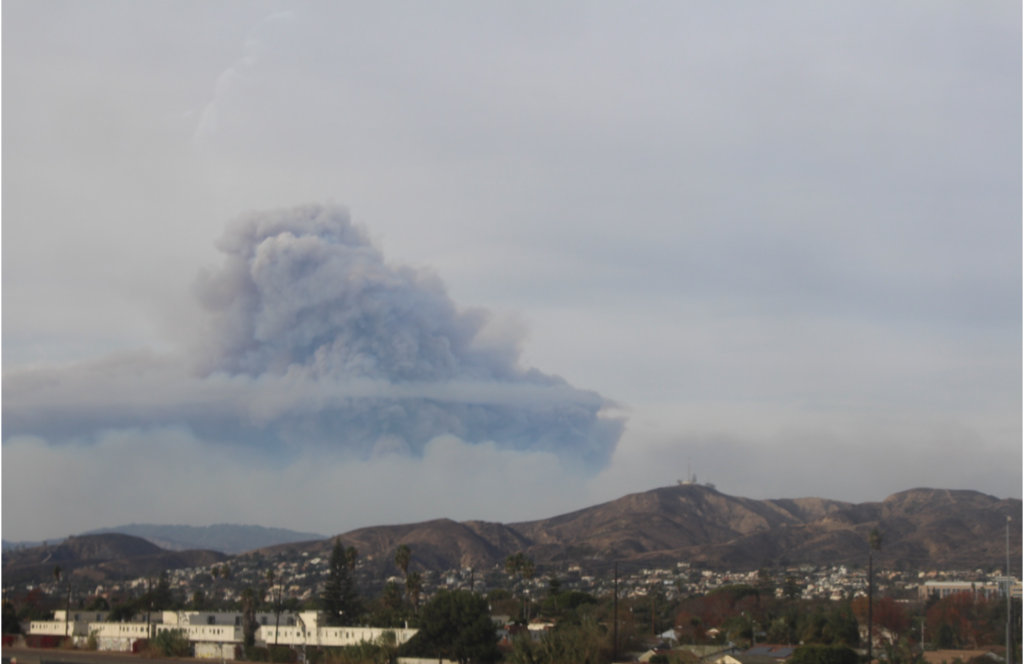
922 528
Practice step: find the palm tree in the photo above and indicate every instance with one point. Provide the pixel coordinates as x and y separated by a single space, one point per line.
523 566
276 599
403 556
413 585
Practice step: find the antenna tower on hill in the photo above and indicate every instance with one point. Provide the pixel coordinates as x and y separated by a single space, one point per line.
690 478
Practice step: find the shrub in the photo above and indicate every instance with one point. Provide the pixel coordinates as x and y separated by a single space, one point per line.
171 643
816 654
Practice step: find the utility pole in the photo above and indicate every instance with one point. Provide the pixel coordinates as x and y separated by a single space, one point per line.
149 604
615 610
874 544
67 608
277 613
1009 602
870 603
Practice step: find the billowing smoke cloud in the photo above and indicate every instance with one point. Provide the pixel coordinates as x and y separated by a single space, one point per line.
315 340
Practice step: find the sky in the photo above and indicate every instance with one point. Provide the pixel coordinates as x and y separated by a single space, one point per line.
325 265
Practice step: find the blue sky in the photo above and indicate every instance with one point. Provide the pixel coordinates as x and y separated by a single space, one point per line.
781 241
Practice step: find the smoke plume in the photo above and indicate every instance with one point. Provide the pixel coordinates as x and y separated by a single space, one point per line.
315 340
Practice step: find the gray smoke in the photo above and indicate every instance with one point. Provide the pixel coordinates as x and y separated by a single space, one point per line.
316 341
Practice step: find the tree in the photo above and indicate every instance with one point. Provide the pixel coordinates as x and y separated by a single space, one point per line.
249 624
161 595
841 628
11 625
402 558
790 588
455 624
413 586
392 597
351 554
886 613
573 644
519 564
816 654
123 612
901 652
958 621
339 599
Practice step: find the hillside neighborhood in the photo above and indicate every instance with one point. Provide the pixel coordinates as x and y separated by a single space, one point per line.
205 609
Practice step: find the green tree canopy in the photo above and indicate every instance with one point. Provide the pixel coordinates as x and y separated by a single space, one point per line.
161 595
339 600
455 625
403 556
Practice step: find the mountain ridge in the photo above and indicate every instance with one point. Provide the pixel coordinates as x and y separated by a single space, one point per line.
227 538
922 527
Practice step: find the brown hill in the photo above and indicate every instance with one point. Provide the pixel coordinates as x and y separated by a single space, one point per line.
99 558
922 528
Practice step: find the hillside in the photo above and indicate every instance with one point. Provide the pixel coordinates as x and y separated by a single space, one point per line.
224 537
100 558
922 528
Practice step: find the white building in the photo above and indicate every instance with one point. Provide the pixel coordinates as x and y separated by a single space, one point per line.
213 634
77 623
988 589
308 631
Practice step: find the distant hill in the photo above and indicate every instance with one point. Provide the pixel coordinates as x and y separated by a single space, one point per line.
922 528
100 558
8 545
224 537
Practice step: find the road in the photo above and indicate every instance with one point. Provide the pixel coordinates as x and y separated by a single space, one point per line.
60 656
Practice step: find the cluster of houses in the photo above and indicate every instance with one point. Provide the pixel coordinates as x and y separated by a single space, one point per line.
212 634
